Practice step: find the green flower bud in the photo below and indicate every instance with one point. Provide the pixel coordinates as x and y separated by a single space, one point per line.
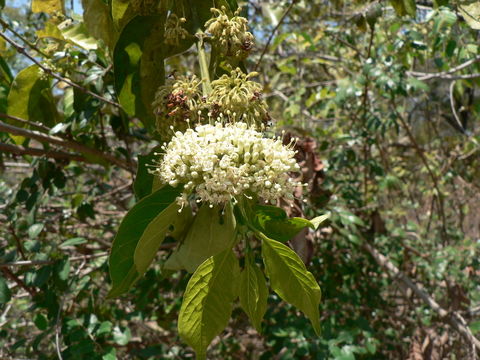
230 35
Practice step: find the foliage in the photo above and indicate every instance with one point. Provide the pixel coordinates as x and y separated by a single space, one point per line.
382 92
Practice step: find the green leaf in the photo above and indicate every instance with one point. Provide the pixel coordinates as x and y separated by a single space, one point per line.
5 294
78 35
5 72
48 6
51 31
30 98
122 267
35 230
73 242
99 23
319 220
168 220
404 7
121 12
40 322
253 293
210 233
290 279
470 10
143 183
207 302
273 222
139 68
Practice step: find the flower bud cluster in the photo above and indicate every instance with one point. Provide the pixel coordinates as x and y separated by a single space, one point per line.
234 97
145 7
217 163
174 31
230 35
240 98
177 102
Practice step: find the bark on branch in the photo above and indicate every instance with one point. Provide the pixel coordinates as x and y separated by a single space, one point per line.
20 150
68 144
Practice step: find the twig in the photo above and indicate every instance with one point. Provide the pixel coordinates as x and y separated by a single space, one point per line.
18 242
446 74
30 45
422 156
21 50
20 150
453 318
26 122
32 134
452 105
270 38
19 282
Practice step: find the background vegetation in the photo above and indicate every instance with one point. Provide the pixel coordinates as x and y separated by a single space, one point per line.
383 97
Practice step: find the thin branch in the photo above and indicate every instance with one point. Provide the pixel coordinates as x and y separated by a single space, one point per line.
40 127
20 150
453 318
270 38
29 44
69 144
19 281
422 156
452 105
447 74
21 50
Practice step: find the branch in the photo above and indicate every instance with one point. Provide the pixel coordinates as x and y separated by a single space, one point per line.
26 122
270 38
452 105
423 158
30 45
69 144
453 318
20 150
19 282
21 50
447 75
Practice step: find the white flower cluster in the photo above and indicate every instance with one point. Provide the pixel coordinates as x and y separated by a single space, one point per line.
220 162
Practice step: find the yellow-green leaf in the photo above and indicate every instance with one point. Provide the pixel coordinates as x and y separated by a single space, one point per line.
290 279
98 21
169 220
253 293
210 233
30 98
470 10
207 302
78 35
48 6
121 262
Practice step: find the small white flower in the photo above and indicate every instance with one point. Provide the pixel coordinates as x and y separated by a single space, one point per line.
219 162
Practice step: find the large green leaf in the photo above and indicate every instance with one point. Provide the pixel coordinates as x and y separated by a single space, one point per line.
210 233
122 267
168 221
290 279
207 302
139 68
99 23
253 293
273 222
31 98
470 10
